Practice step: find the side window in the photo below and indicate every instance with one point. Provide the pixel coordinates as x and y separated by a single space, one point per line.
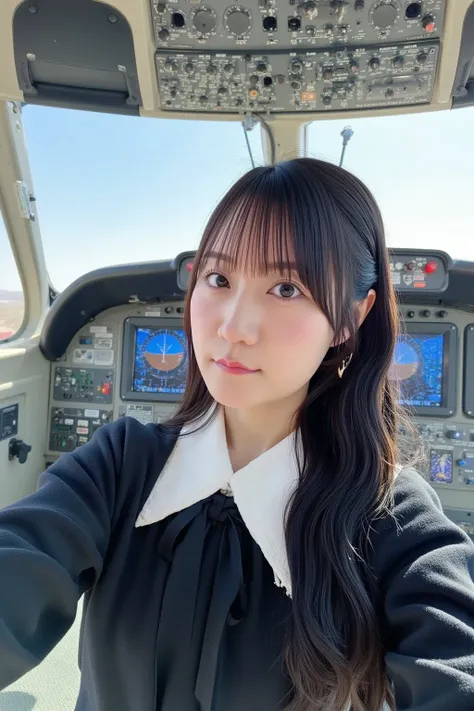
12 306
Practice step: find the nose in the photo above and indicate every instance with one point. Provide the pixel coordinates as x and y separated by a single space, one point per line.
240 320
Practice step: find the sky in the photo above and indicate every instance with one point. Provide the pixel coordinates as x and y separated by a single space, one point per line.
115 189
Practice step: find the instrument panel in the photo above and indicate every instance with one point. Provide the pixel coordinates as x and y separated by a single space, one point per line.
287 24
297 55
131 360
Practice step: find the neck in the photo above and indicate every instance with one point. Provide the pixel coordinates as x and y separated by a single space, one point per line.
251 432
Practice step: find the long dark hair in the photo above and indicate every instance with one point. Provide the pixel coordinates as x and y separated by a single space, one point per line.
347 426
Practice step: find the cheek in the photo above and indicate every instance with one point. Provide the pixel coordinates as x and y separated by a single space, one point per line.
199 315
307 335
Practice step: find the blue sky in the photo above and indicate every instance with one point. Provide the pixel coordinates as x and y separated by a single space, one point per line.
115 189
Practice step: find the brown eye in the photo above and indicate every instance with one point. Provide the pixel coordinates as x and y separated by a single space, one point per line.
217 276
288 290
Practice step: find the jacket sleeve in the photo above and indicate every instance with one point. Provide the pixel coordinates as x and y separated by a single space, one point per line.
425 570
52 548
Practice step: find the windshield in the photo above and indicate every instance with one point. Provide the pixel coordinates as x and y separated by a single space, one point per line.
114 189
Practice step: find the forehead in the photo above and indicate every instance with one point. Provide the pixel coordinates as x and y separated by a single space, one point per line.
252 245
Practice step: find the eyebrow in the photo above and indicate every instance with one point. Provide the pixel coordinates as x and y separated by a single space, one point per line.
279 266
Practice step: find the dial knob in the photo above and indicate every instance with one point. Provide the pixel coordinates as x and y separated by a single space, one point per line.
204 20
374 63
398 61
422 58
296 66
384 16
238 21
310 9
163 34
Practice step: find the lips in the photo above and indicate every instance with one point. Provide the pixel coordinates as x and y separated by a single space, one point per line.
234 364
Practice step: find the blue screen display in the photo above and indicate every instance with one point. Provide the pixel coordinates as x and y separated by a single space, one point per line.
418 367
160 361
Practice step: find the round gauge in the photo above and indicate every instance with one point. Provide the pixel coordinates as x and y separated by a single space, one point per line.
163 351
406 361
161 359
384 14
238 20
204 20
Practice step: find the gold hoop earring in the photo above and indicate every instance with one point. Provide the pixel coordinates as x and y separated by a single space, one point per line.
344 365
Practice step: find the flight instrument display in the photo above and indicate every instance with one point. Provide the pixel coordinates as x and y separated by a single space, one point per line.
418 367
160 360
155 359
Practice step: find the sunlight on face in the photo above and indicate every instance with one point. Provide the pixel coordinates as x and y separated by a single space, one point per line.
266 323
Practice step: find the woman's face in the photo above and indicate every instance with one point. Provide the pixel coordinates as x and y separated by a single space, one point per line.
270 324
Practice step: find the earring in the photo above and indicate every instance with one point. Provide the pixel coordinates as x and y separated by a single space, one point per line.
344 365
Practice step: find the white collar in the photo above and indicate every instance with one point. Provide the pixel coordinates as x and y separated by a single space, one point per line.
199 466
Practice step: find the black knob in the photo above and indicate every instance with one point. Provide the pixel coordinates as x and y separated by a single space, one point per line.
398 61
374 63
443 314
422 58
426 313
163 34
18 448
411 314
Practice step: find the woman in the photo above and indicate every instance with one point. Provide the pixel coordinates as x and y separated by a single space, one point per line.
282 470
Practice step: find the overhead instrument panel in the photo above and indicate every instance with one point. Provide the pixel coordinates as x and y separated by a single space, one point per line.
278 56
283 24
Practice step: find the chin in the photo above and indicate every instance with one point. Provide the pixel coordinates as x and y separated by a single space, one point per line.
234 396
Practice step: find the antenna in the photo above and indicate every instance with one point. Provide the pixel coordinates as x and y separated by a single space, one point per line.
346 134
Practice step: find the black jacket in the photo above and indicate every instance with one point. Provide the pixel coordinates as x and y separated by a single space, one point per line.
168 624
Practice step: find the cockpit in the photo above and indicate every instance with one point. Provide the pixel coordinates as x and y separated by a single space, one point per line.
91 312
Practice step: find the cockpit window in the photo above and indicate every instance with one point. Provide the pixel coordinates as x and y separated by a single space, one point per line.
12 305
419 168
116 189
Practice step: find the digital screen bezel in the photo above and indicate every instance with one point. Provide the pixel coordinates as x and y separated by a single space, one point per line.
468 390
450 356
128 357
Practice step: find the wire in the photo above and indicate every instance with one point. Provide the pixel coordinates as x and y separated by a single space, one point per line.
248 144
269 133
248 124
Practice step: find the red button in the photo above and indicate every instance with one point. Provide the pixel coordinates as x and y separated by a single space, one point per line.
430 27
431 267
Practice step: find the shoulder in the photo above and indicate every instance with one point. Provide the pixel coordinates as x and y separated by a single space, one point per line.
125 448
131 436
417 530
